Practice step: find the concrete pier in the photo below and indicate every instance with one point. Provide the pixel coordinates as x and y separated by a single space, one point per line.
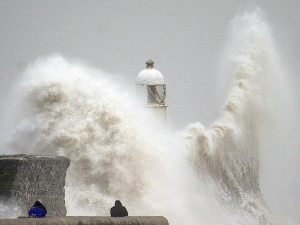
25 179
88 220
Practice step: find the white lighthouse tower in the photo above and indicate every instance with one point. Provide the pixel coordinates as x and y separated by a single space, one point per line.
151 89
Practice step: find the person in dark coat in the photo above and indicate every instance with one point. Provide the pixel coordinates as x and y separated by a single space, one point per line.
118 210
38 210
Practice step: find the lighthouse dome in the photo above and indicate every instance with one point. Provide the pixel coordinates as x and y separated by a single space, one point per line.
150 76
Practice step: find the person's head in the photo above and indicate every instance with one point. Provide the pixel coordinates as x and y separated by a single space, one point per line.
118 203
37 203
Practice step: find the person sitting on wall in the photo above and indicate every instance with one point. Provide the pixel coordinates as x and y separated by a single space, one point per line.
38 210
118 210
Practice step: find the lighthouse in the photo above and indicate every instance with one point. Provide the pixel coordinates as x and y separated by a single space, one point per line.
151 89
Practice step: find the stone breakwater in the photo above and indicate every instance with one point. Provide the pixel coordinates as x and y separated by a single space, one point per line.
25 179
88 220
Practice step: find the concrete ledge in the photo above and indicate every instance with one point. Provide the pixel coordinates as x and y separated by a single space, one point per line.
88 220
25 179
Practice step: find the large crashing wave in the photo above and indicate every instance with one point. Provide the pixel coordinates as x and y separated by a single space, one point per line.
73 111
226 156
70 110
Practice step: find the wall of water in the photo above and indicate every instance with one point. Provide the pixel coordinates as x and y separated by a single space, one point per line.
236 157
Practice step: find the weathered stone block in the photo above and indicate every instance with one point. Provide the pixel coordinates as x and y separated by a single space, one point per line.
6 178
25 179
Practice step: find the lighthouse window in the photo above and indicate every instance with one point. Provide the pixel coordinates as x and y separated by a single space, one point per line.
156 94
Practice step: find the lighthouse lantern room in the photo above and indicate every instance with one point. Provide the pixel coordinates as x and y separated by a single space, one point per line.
151 89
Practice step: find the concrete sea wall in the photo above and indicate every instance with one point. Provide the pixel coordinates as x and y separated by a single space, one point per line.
25 179
88 220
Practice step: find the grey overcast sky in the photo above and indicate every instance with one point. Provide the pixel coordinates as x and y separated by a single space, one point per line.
185 39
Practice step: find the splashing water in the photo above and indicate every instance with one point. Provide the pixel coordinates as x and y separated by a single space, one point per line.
226 156
77 116
78 113
68 109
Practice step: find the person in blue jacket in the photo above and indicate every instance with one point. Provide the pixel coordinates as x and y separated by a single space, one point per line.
38 210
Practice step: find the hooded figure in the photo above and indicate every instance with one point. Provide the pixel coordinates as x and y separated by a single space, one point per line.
118 210
37 210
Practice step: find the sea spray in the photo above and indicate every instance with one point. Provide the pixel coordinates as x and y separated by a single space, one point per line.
226 156
71 112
